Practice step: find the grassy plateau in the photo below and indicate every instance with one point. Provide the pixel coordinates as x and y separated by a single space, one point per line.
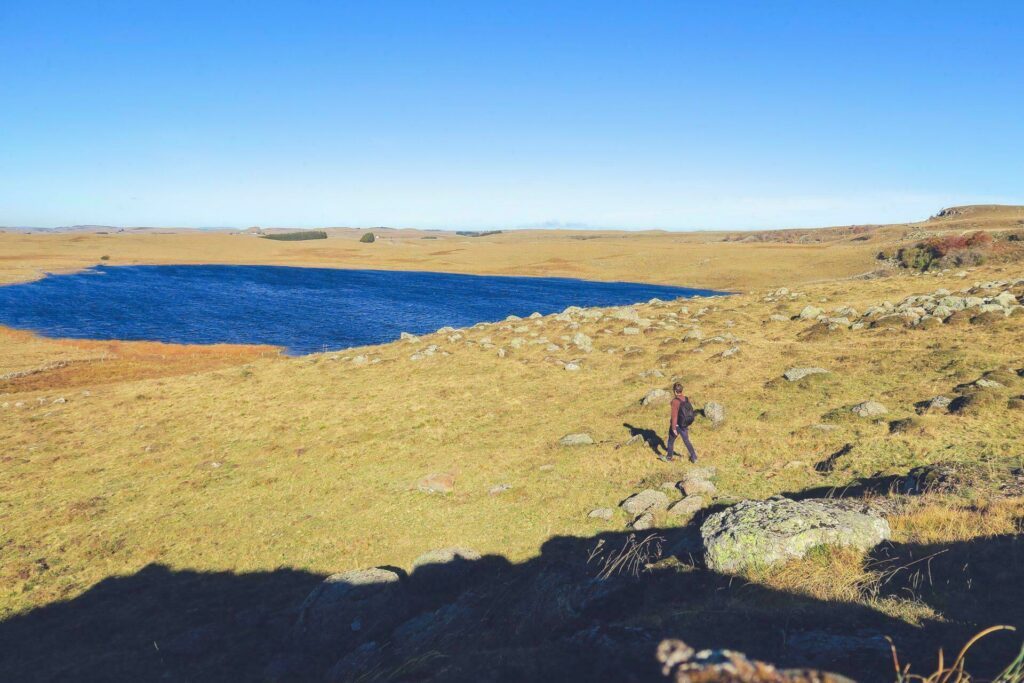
146 466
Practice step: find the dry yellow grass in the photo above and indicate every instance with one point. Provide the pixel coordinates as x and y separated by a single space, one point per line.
714 259
229 459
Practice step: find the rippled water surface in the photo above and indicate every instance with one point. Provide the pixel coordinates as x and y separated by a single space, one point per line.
301 309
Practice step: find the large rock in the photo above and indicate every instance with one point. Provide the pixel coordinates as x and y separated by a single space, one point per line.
763 533
647 500
351 607
715 412
795 374
656 397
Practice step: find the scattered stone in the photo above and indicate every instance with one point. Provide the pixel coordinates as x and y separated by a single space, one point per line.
642 522
60 400
687 506
763 533
697 487
499 489
796 374
630 330
408 337
869 409
583 342
601 513
580 439
656 397
779 318
546 468
932 405
811 313
572 366
626 313
647 500
437 483
730 352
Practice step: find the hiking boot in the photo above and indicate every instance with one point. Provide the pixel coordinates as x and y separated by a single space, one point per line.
693 459
665 458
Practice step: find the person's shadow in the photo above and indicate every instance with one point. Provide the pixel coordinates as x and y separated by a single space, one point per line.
648 436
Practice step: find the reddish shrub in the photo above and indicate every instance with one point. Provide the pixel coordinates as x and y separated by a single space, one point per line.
943 246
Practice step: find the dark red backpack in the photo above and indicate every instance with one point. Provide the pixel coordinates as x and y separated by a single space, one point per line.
686 413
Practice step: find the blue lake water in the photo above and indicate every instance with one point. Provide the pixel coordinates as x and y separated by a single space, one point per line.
302 309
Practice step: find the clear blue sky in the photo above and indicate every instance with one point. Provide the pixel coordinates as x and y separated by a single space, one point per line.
480 114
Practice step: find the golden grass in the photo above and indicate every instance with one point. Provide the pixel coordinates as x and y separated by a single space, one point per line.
710 259
238 459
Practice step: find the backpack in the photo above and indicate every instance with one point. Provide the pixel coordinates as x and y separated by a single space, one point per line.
686 413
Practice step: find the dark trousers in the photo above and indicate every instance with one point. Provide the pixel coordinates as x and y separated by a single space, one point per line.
684 432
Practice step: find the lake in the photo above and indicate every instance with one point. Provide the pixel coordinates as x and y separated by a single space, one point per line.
304 310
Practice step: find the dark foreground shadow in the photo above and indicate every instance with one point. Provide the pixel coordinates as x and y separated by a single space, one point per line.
577 612
648 436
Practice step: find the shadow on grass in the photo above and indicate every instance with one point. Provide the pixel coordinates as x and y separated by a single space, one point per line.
649 437
549 618
862 487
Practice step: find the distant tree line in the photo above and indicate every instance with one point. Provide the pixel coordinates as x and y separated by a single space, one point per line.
296 236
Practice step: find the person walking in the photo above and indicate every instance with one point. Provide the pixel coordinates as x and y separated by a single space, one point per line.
681 418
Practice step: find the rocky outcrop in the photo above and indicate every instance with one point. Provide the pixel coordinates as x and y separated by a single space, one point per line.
351 607
762 533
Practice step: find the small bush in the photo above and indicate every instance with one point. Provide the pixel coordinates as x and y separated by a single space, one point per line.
104 258
297 236
368 238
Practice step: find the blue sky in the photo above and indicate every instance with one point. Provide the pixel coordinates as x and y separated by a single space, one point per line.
672 115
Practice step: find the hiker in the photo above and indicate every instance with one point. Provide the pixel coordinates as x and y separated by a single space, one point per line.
682 417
